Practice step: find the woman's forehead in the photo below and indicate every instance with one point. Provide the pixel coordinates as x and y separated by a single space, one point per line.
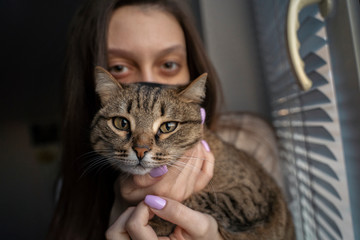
134 27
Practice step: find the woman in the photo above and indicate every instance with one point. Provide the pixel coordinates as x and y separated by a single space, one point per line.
140 40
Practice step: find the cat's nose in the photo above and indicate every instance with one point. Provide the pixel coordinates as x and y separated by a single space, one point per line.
141 151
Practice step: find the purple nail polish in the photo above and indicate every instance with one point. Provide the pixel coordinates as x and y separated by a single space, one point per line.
206 145
203 115
155 202
159 171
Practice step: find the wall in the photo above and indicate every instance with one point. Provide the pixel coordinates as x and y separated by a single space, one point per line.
229 34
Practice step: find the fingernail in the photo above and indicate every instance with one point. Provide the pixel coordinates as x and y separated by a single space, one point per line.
203 115
159 171
206 145
155 202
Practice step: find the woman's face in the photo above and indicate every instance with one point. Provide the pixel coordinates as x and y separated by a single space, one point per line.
146 44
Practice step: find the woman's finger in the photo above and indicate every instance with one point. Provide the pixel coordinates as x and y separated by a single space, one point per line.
117 230
192 164
147 180
137 225
135 188
184 217
179 234
207 169
133 224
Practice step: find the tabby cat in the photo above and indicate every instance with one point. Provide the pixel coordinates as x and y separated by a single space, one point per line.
142 126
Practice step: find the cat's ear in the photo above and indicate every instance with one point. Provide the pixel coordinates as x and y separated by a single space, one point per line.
105 85
195 91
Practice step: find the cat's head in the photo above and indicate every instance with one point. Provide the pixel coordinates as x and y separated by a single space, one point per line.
142 126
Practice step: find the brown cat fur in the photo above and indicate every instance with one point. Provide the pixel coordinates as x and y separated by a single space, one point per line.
242 197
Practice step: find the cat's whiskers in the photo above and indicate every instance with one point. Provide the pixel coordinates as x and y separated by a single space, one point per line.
99 160
124 176
181 165
189 158
177 156
89 169
91 154
97 163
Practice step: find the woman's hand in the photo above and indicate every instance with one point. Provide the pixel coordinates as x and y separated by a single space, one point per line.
191 174
190 224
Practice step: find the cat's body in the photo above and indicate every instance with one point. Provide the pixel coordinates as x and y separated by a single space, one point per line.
145 126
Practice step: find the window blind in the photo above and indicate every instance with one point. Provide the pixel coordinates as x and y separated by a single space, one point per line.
306 122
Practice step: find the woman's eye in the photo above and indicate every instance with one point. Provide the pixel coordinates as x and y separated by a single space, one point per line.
118 70
121 123
168 127
170 66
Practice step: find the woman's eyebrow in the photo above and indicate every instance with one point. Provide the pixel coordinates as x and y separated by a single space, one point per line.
130 54
176 48
121 52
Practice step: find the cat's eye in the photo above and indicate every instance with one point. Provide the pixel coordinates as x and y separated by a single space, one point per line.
168 127
121 123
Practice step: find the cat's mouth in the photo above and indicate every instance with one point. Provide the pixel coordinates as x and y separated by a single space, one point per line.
141 170
138 169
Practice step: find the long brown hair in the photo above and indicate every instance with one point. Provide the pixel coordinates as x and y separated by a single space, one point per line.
85 200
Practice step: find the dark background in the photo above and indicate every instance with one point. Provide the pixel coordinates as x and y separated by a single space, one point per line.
33 42
33 45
